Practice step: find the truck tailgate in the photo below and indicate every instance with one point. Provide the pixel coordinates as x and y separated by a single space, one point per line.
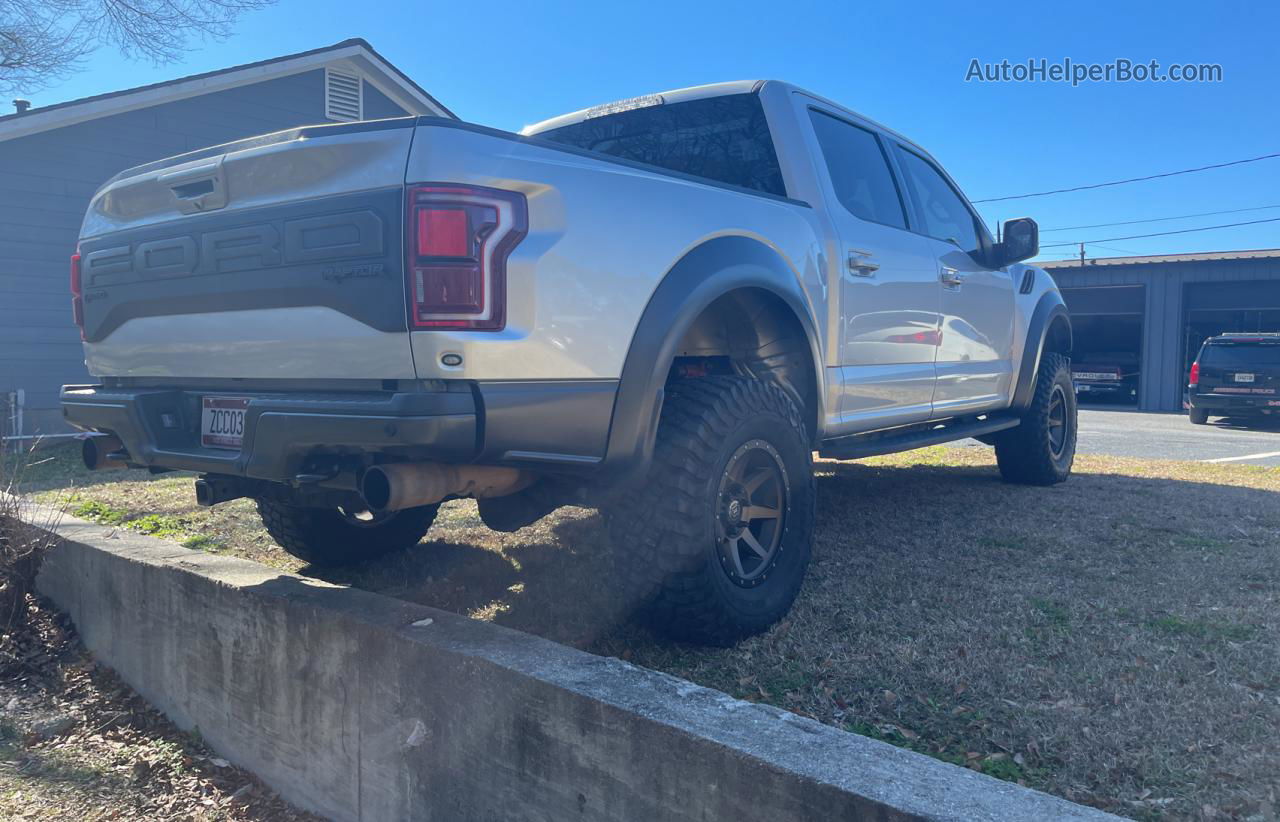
275 257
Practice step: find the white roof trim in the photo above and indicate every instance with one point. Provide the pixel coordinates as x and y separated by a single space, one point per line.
374 70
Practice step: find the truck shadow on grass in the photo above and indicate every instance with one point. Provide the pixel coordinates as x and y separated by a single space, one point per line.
1112 640
553 579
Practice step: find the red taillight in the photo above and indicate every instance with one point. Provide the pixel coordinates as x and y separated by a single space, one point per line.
930 337
459 238
444 232
1194 380
77 300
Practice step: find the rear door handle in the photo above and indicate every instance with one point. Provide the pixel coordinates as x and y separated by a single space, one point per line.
950 277
860 264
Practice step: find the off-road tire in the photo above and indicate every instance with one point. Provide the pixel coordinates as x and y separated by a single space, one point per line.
669 536
328 538
1198 416
1030 454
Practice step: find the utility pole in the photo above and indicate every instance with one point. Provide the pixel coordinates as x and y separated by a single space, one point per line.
1082 254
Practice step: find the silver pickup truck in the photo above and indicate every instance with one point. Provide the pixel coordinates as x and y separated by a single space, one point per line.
660 307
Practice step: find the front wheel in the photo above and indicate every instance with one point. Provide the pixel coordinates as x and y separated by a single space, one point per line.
333 537
1041 450
716 542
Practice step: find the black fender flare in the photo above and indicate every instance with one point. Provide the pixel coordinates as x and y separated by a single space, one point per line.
1049 310
702 275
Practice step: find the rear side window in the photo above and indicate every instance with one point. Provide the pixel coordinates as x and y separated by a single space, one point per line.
859 171
725 139
941 212
1258 355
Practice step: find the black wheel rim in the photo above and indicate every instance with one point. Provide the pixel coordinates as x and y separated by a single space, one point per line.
364 518
1058 425
751 509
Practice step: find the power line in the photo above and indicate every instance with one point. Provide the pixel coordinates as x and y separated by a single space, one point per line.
1163 233
1131 180
1112 248
1160 219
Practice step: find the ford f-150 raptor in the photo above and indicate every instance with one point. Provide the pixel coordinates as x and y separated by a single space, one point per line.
661 307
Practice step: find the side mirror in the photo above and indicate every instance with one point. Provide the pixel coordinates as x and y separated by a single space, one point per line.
1020 241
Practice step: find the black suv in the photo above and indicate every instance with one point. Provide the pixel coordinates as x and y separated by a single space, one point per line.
1235 375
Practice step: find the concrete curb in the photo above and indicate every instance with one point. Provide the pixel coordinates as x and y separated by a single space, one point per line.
362 707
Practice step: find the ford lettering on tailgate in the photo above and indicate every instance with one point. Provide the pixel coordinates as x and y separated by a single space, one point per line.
342 253
324 238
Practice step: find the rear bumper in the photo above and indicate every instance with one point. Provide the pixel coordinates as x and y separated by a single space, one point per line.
559 425
1227 404
1102 389
160 427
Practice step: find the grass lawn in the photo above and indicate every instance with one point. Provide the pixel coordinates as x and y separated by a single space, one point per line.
1113 640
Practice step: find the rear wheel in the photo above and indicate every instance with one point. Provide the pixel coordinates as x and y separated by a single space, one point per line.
1041 450
333 537
1198 416
716 542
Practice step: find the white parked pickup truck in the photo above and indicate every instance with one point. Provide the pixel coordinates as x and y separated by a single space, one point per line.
661 307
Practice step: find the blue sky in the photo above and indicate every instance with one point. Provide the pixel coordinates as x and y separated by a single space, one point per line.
506 64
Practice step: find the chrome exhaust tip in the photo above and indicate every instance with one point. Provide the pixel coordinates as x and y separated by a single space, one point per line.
99 453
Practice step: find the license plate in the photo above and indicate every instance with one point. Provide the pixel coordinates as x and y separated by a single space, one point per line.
1094 375
1244 378
222 422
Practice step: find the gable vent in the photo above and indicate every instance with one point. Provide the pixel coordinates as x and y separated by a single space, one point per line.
343 95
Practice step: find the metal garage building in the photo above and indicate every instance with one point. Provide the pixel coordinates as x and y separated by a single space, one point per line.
1160 309
53 158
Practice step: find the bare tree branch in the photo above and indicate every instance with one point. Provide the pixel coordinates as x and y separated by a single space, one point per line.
43 41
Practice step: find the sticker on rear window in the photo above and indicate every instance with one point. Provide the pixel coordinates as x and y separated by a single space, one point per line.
623 105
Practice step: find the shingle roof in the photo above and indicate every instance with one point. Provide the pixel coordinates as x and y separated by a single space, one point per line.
1200 256
48 116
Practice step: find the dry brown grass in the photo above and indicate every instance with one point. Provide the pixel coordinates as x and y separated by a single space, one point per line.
21 544
75 742
1112 640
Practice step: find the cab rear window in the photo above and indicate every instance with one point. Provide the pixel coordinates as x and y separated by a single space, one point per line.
1242 355
725 139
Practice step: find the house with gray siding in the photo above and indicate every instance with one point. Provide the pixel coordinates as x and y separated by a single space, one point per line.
53 158
1155 311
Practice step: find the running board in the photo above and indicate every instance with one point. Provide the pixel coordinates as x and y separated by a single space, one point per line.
890 441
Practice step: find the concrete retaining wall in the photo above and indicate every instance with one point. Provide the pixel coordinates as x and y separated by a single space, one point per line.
362 707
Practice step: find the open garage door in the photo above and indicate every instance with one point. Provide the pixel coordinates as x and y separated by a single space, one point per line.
1221 307
1107 321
